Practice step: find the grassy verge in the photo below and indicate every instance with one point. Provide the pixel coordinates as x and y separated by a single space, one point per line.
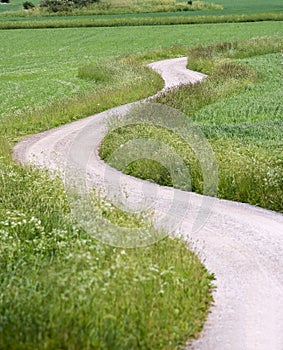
33 81
246 140
60 288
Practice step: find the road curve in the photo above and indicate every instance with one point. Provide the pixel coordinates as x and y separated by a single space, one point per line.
240 243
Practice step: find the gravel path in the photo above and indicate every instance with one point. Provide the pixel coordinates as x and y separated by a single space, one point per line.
241 244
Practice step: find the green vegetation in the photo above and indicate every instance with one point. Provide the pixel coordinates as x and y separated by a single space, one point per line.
91 7
60 288
107 91
65 5
250 6
36 84
78 22
240 111
228 7
58 280
27 5
98 7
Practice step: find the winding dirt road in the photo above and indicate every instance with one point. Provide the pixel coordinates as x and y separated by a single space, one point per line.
240 243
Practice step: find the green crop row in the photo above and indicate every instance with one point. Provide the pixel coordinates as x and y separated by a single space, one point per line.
136 21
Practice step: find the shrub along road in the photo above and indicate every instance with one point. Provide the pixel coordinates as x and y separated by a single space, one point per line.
240 243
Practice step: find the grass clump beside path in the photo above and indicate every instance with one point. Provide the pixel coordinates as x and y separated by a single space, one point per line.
238 107
62 289
120 79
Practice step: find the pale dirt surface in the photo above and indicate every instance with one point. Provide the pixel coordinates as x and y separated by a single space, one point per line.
240 243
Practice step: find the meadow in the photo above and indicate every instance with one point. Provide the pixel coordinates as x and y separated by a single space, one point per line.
30 79
60 288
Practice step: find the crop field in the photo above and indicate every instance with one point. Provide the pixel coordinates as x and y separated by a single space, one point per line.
60 288
32 78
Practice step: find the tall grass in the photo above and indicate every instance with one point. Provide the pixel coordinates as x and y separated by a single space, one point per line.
205 58
44 22
60 288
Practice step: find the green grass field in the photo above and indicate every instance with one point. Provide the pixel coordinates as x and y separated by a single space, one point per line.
30 78
60 288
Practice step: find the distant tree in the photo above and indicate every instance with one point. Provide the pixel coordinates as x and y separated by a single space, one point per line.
57 5
5 1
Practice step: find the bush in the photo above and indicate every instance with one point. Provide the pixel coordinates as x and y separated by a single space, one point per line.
27 5
5 1
65 5
57 5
